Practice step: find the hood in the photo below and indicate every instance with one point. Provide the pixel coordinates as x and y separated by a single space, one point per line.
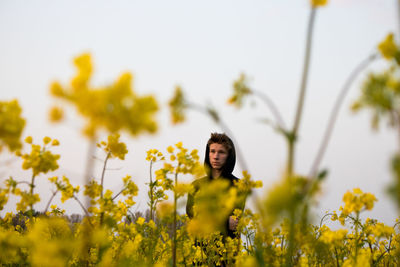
229 165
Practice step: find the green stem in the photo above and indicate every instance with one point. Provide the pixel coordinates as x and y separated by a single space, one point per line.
290 160
306 68
32 185
103 174
303 87
174 226
292 136
87 233
356 237
102 185
151 193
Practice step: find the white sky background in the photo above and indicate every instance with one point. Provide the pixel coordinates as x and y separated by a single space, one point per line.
204 46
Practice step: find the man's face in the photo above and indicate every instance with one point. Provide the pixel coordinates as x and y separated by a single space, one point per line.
218 155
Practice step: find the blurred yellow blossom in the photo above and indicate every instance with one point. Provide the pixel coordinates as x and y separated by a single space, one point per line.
28 140
318 3
333 237
140 221
240 90
11 125
388 47
178 106
46 140
56 114
170 149
114 107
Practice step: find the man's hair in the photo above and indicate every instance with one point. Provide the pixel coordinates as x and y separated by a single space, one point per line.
222 139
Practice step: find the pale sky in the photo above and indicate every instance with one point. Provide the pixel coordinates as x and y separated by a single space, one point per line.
204 46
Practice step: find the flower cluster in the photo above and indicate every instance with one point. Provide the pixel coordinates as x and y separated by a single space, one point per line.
113 147
64 186
178 106
389 49
114 107
240 90
40 159
357 201
111 234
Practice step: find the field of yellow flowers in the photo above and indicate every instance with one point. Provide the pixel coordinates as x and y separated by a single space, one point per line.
109 235
278 232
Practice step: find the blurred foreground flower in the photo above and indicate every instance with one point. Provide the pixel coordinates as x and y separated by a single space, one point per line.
178 106
318 3
389 49
114 107
240 90
214 200
11 125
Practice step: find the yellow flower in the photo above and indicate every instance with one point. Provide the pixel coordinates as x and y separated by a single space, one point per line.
46 140
113 107
11 125
179 145
240 90
388 47
56 114
28 140
356 201
317 3
177 106
114 147
165 209
39 160
55 142
333 237
170 149
140 221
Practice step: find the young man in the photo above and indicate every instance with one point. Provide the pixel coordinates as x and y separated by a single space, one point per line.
220 158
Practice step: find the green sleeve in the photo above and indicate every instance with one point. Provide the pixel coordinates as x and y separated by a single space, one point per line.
189 205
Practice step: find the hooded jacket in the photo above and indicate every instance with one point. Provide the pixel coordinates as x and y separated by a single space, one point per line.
227 170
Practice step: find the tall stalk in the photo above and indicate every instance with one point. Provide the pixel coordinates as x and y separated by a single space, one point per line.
292 136
102 184
32 186
87 233
174 225
151 192
89 166
303 87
